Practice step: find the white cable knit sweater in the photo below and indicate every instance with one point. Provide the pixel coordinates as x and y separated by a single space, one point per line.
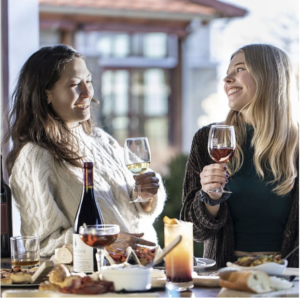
48 195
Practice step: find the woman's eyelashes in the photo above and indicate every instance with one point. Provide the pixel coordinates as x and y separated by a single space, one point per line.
240 69
78 83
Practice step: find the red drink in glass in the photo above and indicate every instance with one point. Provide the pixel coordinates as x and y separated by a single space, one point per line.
98 240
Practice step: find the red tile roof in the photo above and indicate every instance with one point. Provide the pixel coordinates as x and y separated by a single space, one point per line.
169 16
210 8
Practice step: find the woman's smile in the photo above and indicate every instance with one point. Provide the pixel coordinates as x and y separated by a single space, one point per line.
233 91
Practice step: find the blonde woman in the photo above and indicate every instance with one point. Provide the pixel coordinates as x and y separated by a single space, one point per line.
261 215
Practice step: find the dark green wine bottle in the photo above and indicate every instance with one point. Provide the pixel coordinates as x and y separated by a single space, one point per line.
88 213
6 220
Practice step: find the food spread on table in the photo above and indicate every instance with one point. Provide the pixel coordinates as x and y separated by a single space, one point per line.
251 261
145 255
140 255
61 280
16 275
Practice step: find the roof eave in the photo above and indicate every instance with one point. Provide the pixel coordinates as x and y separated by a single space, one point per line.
138 14
224 10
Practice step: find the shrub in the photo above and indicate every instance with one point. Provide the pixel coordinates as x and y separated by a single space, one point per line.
173 184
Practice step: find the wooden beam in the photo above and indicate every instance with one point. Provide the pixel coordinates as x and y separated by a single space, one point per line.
4 81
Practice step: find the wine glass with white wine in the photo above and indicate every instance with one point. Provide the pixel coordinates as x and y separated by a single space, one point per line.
137 159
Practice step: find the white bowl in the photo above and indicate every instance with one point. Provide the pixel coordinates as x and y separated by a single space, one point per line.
271 268
129 278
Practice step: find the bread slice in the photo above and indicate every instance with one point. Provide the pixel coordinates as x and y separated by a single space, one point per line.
20 277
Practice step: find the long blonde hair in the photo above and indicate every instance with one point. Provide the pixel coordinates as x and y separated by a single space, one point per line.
275 139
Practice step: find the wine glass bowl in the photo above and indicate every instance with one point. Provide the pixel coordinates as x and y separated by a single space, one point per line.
221 146
99 237
137 157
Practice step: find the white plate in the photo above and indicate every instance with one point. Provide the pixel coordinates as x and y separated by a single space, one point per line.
270 268
203 263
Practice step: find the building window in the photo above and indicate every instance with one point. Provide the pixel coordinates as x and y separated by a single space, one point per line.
108 44
133 82
135 103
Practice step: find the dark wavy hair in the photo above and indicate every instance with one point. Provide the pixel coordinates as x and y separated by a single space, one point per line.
31 119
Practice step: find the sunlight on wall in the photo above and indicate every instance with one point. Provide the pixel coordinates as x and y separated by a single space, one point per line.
215 107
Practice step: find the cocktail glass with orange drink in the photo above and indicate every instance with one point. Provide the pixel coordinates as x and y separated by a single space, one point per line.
180 261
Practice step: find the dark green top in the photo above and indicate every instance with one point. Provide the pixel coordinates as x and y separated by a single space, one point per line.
259 215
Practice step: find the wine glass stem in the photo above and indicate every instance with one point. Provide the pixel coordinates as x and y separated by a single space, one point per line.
100 259
139 192
220 190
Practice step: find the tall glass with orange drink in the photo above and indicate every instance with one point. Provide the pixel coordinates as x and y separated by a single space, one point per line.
180 261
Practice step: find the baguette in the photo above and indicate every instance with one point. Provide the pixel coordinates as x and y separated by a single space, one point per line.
247 281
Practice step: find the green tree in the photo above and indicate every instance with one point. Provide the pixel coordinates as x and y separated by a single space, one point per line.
173 184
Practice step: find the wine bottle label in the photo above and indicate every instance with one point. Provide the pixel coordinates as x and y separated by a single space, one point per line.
83 256
4 223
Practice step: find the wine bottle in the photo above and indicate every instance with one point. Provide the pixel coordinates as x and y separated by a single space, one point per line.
88 213
6 224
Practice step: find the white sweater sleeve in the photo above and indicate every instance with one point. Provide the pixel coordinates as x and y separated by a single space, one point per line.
33 184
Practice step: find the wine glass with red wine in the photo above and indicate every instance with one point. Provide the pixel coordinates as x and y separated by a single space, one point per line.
221 147
99 237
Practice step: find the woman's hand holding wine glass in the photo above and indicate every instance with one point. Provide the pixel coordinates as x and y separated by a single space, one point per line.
137 159
221 147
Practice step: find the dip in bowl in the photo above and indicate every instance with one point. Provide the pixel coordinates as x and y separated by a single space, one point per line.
128 277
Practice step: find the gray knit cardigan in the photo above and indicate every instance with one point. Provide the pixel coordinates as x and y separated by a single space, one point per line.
217 233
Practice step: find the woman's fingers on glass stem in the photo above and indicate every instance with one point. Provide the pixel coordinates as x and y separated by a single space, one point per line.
211 186
147 181
144 176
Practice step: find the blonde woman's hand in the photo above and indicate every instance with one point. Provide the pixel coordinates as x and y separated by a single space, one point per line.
132 240
213 176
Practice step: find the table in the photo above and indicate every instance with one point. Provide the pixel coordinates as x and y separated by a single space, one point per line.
196 292
201 292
